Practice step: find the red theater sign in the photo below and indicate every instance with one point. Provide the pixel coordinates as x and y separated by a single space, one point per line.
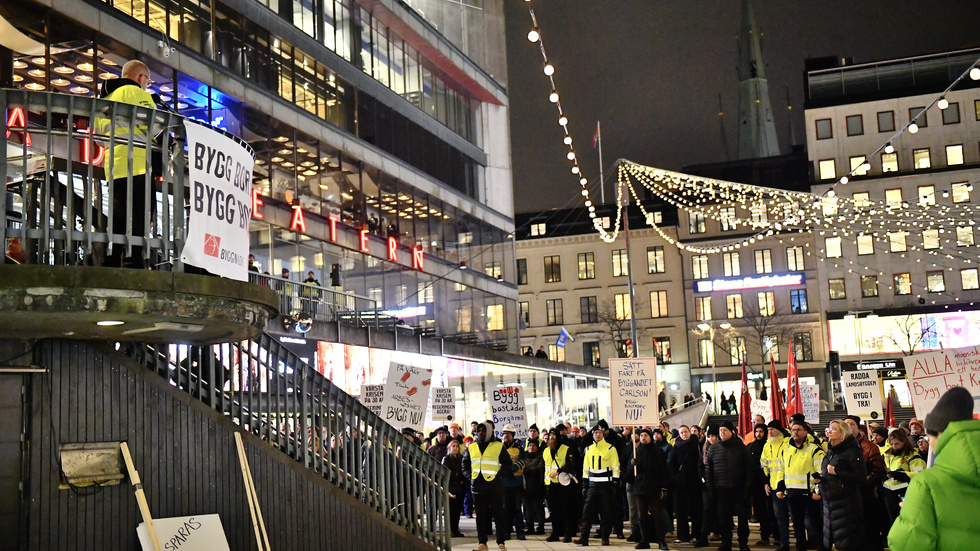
298 223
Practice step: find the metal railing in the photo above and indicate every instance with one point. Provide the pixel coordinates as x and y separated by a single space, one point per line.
323 303
272 393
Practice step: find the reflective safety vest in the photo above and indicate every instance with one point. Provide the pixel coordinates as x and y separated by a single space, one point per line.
601 463
910 464
553 463
798 465
770 456
486 463
134 95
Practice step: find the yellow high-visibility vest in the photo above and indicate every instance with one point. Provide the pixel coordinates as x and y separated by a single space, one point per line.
553 462
486 463
798 465
911 464
769 459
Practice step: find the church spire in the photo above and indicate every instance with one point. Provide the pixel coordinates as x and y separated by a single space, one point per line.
756 130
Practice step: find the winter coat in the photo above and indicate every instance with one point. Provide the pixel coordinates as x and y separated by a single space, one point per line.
480 484
651 470
757 477
727 465
874 463
534 474
515 477
457 480
437 451
684 463
843 515
941 502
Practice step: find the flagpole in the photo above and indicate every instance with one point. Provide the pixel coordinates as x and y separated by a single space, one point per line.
602 183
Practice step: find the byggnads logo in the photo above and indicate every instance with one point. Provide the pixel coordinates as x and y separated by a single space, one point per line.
212 244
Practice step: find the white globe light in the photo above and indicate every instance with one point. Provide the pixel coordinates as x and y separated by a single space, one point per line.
843 180
591 209
562 120
866 167
574 170
568 140
571 155
585 193
588 203
832 193
889 148
913 128
549 69
942 103
533 35
975 73
584 181
553 97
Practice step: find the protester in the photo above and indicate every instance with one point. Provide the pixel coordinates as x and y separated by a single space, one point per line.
453 460
625 458
709 516
650 484
600 474
842 472
726 474
561 459
903 462
514 484
874 513
798 471
939 512
880 438
771 467
485 460
757 482
687 485
456 432
923 447
439 449
534 488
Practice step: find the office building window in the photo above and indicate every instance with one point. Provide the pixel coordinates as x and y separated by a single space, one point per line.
556 353
893 197
654 218
700 264
589 308
706 353
832 246
590 354
655 260
858 166
862 200
586 265
951 115
927 195
976 108
930 239
552 269
727 216
837 288
661 349
730 261
935 281
961 192
758 213
492 269
803 347
923 120
869 286
619 262
969 279
767 303
555 312
827 169
522 271
736 350
825 129
537 230
855 125
902 283
865 244
734 303
702 308
658 304
954 155
920 158
964 236
889 162
697 223
464 319
622 301
495 317
797 301
763 261
897 241
604 222
770 347
829 206
524 310
794 259
886 121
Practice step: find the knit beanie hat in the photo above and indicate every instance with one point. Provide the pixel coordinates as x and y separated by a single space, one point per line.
728 425
955 405
712 430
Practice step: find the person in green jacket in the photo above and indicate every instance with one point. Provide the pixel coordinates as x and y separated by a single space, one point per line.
939 512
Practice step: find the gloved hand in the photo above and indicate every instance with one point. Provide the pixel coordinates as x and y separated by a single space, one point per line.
585 488
901 476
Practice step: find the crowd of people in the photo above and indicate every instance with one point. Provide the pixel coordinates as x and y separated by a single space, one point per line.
840 490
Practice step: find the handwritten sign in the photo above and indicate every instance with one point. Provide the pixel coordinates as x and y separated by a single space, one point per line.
862 393
405 396
811 403
197 533
443 408
633 384
372 396
507 406
762 407
931 374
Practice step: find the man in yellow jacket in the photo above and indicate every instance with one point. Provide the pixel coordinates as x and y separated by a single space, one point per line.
777 442
796 484
485 461
600 478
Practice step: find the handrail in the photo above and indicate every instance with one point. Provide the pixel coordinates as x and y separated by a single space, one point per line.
321 303
272 393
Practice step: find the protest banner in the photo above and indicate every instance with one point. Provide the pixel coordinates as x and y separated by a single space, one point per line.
442 408
811 403
196 533
507 406
405 396
372 396
220 172
862 395
930 374
633 388
761 407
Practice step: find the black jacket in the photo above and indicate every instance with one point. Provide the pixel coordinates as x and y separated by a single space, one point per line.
651 470
684 463
727 465
757 477
479 484
843 514
457 479
534 474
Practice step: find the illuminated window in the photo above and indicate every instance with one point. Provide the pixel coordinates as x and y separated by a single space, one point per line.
865 244
522 271
770 347
935 281
832 245
829 206
700 264
927 195
922 121
837 288
734 303
886 121
706 352
855 125
897 242
794 259
825 129
730 261
903 283
954 154
589 308
969 279
495 317
620 264
586 265
767 303
869 286
556 353
464 319
797 301
763 261
492 269
426 292
552 269
951 115
661 349
537 230
889 162
702 308
555 311
930 239
803 347
697 223
862 200
856 165
654 218
920 158
655 260
961 192
604 222
827 169
893 197
727 216
658 304
964 236
622 306
736 350
759 214
524 310
590 354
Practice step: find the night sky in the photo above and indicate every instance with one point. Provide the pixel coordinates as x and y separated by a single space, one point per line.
652 72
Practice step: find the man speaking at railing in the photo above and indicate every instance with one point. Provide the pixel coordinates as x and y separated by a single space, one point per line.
131 89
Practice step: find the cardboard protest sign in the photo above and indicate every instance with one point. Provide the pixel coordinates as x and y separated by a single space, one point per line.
507 406
372 396
761 407
811 403
405 396
931 374
633 387
442 406
862 395
196 533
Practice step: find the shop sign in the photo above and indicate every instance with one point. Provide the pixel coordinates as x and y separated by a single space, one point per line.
750 282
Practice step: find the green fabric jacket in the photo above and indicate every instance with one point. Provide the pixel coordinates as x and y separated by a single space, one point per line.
942 502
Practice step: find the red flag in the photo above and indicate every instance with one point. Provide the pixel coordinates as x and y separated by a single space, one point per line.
889 413
745 407
794 399
595 137
775 394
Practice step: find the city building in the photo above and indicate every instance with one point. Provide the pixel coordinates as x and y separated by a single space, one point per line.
897 255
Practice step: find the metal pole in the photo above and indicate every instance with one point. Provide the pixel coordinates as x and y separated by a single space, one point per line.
714 364
602 182
629 271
